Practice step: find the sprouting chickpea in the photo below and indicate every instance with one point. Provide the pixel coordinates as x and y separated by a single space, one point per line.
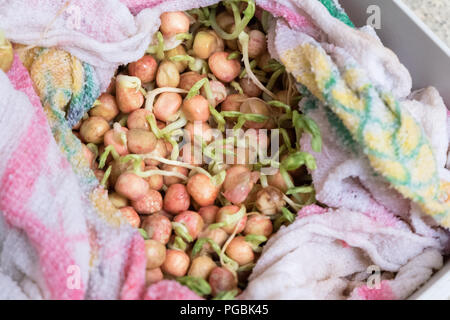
160 124
282 96
233 102
155 252
238 183
167 75
202 190
168 181
173 23
196 109
150 203
269 201
240 251
271 123
77 126
193 222
131 186
201 267
221 279
191 154
156 181
176 263
256 44
88 155
241 6
205 44
179 50
131 216
251 198
107 109
153 276
118 167
252 143
112 138
224 19
255 106
217 235
188 79
245 156
117 200
93 129
225 70
219 91
145 68
276 180
158 227
128 99
99 174
177 199
159 151
101 149
166 214
263 61
208 214
140 141
169 146
258 224
174 245
166 106
226 211
220 44
201 129
249 87
236 174
111 87
138 119
261 137
232 44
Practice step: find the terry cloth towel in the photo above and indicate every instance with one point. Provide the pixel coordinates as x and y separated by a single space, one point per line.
344 178
342 254
342 78
54 243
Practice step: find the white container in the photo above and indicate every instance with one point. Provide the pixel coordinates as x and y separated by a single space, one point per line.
428 60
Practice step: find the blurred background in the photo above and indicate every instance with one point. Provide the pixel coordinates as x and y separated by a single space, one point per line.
435 13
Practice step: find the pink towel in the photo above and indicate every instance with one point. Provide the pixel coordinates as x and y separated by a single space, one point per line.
47 244
332 254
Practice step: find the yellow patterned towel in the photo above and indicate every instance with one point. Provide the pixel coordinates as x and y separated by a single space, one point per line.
393 141
64 82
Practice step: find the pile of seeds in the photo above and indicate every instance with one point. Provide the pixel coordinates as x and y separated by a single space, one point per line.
181 142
